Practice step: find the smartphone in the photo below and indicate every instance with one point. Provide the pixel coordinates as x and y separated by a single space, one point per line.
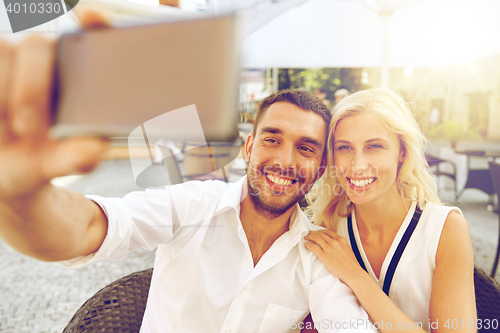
111 82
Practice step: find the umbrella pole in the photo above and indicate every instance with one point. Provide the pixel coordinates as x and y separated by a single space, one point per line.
384 71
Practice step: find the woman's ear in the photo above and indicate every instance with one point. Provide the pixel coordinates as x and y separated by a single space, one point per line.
402 155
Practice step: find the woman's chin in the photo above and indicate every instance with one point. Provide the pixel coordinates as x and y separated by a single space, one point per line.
360 198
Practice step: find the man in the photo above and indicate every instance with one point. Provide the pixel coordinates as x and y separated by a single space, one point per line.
225 262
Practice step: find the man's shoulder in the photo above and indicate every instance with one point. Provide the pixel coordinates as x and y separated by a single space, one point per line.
208 196
305 222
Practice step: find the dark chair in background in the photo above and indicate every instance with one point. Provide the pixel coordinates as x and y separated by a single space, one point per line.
119 307
434 165
487 299
495 177
479 178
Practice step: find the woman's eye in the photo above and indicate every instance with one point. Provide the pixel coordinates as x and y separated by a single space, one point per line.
343 147
374 146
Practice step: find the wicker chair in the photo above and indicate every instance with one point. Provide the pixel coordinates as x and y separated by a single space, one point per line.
495 178
118 307
487 297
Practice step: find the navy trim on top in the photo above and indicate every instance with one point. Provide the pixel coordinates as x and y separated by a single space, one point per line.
354 246
397 254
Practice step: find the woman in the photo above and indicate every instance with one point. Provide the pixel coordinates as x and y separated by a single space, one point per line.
380 205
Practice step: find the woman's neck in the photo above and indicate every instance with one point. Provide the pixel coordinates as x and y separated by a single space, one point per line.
381 217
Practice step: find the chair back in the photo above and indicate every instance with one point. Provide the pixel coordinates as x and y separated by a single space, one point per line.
432 160
118 307
171 163
487 297
495 176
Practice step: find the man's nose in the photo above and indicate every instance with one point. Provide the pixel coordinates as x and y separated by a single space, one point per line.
285 158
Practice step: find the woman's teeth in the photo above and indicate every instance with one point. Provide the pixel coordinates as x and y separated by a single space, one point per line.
361 183
279 181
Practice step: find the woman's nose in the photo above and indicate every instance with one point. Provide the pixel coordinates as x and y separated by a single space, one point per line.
359 163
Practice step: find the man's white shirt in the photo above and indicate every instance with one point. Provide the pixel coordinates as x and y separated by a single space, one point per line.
204 279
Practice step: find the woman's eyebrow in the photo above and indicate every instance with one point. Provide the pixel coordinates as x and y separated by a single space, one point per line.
378 140
367 141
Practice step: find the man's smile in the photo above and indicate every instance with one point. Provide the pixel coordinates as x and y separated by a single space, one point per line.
279 180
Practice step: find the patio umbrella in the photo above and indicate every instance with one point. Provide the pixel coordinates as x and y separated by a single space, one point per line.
349 33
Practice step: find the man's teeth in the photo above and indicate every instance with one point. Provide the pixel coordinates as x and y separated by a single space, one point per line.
279 181
361 183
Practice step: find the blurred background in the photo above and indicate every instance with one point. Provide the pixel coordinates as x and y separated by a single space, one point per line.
442 56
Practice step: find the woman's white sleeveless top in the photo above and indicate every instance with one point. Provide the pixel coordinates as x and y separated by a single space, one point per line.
411 285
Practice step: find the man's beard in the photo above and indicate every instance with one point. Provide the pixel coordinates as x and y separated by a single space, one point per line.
268 209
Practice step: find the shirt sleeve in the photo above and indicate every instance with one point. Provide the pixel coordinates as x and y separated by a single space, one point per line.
145 219
335 308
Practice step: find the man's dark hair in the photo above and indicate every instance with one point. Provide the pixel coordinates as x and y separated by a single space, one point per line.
302 99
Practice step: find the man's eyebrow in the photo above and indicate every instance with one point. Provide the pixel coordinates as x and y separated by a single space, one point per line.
272 130
311 141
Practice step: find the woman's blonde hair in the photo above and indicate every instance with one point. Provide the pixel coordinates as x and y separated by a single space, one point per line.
328 202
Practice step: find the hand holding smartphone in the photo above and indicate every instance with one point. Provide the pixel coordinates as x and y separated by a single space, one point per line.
112 81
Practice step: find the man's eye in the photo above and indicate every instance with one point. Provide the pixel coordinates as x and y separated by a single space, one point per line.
306 149
271 141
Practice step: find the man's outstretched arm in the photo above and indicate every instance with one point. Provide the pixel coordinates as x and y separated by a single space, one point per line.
53 224
37 218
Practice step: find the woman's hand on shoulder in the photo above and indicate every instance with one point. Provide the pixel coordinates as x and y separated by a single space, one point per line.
452 295
335 253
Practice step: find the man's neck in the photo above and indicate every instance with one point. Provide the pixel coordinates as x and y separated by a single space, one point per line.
261 231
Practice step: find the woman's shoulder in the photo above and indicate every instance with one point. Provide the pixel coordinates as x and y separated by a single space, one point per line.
436 223
437 212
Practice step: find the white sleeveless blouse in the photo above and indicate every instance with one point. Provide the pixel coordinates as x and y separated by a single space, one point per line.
411 285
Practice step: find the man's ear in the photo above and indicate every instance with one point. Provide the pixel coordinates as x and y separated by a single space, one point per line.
248 146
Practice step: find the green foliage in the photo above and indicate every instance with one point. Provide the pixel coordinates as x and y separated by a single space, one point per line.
453 131
327 79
